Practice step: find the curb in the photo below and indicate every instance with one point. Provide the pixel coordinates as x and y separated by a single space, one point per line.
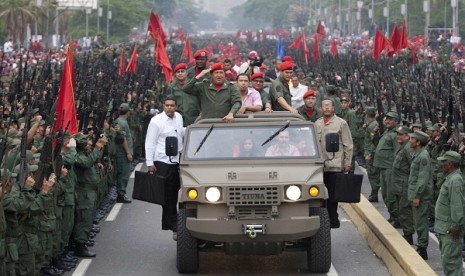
387 243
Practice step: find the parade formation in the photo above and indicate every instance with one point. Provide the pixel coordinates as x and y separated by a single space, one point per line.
77 118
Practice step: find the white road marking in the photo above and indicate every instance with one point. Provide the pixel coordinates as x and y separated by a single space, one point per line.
114 212
332 271
82 267
137 168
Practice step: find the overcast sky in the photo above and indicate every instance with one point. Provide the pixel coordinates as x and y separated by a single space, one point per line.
220 7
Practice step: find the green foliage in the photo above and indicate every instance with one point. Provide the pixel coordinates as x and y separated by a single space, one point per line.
185 14
124 18
274 13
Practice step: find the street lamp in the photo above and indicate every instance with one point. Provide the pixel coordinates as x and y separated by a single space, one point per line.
454 5
386 14
426 9
359 15
88 11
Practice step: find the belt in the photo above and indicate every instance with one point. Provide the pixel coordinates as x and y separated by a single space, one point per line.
83 186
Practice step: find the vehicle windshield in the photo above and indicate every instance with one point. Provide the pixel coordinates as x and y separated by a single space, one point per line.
245 142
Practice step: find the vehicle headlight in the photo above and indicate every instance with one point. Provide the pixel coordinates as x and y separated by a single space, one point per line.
213 194
313 191
192 194
293 192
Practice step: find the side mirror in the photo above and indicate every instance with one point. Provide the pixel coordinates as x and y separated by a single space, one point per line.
171 146
332 142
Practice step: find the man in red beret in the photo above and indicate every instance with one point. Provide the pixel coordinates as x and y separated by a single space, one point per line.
279 90
308 110
258 83
201 58
218 99
187 105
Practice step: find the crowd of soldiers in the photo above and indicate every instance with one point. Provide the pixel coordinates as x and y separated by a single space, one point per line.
404 119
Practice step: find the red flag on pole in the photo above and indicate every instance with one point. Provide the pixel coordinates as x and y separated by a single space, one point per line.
320 29
181 35
403 42
305 50
155 28
121 63
187 52
66 108
380 43
395 38
316 47
296 43
164 61
132 64
333 49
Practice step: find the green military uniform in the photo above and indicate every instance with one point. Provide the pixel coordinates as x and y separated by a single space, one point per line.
316 114
384 157
400 174
215 103
86 191
122 163
186 104
265 98
351 118
69 186
135 125
279 89
450 215
369 151
46 227
192 73
420 187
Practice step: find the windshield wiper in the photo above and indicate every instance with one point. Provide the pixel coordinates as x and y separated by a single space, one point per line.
204 139
276 133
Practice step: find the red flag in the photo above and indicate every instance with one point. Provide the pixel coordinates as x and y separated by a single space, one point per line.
163 60
238 34
333 49
155 28
320 29
296 43
181 35
66 107
187 52
121 64
395 38
414 56
305 50
132 64
380 43
316 47
403 42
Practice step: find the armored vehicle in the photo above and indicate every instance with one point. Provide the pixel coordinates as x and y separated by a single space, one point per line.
253 187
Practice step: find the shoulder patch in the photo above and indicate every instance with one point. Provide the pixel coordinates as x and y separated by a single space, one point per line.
458 189
424 162
278 88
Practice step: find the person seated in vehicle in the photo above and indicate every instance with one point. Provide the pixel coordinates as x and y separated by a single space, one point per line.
246 148
283 147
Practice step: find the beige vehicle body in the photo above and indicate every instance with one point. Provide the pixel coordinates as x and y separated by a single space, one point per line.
251 203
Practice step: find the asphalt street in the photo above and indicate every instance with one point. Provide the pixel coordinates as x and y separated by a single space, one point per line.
131 242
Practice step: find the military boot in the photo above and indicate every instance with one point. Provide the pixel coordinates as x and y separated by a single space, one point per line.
51 271
423 253
373 196
409 239
61 265
82 251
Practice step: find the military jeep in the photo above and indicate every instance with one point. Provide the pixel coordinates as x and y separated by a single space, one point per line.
240 194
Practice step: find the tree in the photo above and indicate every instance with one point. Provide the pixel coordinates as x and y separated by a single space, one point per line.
267 11
16 14
125 16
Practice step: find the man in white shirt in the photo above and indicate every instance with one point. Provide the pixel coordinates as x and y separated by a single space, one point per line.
166 124
297 91
8 47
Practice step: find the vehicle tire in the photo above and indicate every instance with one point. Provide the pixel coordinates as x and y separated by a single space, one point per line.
187 251
319 246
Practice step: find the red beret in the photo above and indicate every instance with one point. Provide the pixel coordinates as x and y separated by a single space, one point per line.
287 65
201 53
179 67
216 66
309 93
287 58
258 75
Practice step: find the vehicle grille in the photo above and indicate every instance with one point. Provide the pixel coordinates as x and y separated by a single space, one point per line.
251 196
253 213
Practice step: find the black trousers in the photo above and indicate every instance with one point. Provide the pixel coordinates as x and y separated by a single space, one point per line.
330 205
170 173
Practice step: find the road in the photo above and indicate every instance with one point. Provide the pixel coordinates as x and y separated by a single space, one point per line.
131 242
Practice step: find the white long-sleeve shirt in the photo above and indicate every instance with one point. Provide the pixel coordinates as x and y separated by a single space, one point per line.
297 93
160 127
